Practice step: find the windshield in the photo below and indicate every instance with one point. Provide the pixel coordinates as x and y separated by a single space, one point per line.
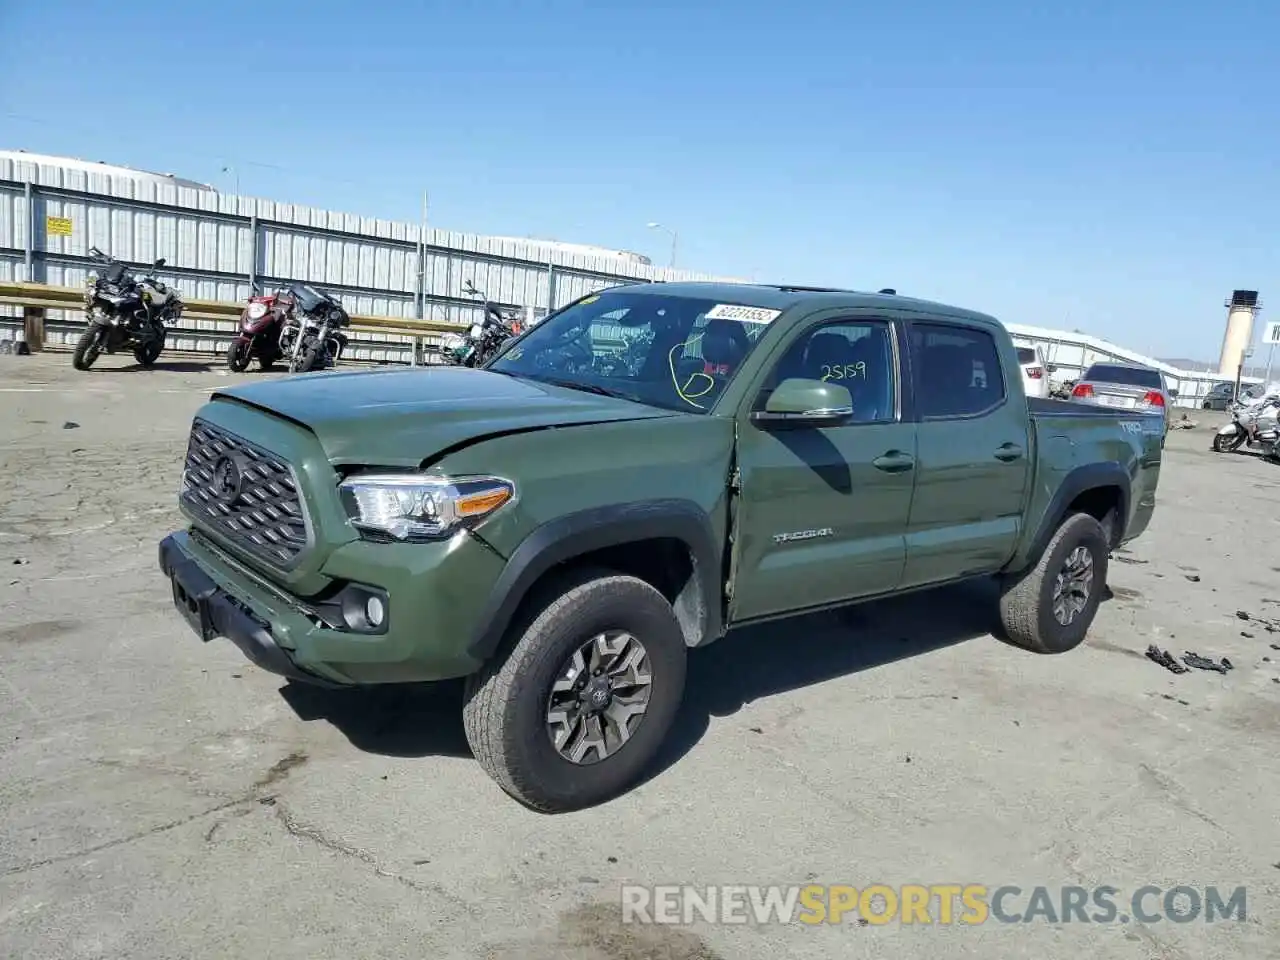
307 297
1130 376
667 351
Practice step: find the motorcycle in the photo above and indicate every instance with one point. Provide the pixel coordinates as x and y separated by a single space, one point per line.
312 336
1252 425
483 340
124 312
261 326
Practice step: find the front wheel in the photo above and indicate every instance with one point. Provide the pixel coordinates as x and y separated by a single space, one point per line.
1049 608
308 359
581 704
237 356
147 353
88 347
1227 442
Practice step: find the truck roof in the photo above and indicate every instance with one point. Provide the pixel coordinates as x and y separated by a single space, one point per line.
777 296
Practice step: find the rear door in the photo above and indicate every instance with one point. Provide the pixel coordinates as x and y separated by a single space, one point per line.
823 510
973 448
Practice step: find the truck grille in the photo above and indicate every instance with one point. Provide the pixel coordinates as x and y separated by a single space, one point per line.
245 493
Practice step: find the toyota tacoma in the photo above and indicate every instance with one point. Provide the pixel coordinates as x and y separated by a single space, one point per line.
649 468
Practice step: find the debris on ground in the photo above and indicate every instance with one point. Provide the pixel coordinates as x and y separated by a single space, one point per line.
1184 424
70 425
1246 634
1119 558
1193 578
1205 663
1165 659
20 561
1170 696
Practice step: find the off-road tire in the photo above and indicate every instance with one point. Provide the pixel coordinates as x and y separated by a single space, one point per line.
237 357
87 349
1026 601
504 713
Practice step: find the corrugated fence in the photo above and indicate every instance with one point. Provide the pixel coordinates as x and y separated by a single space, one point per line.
216 244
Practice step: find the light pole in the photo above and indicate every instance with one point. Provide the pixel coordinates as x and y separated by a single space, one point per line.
674 238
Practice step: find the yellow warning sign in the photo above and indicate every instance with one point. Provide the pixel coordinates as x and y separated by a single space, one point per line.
57 226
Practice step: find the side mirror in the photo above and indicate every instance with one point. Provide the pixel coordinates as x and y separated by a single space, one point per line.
159 263
1051 368
805 403
1172 392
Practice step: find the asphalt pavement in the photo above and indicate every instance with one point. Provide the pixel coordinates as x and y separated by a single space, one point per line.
163 798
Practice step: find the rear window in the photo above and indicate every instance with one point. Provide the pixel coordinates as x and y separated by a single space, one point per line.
1026 355
1131 376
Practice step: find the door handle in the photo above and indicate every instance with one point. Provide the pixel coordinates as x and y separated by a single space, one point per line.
895 461
1008 452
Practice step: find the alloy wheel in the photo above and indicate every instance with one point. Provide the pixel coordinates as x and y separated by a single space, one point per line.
599 697
1073 585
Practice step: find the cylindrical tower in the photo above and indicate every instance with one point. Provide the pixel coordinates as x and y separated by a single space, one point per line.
1241 309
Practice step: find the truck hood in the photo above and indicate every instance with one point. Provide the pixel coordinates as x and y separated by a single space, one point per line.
404 417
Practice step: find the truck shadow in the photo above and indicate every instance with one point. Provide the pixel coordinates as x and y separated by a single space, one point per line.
754 663
762 661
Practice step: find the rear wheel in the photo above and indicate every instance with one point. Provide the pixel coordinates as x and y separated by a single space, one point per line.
88 347
237 356
1049 608
580 705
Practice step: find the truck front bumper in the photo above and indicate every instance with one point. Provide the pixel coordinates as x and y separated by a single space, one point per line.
434 592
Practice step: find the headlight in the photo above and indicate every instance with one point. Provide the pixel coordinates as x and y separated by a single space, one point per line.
412 507
257 311
335 316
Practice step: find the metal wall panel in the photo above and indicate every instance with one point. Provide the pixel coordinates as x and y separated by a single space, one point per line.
211 244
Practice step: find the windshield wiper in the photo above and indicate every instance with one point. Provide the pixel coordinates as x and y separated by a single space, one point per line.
585 387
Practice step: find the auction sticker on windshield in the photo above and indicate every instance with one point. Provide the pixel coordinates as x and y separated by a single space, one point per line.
734 311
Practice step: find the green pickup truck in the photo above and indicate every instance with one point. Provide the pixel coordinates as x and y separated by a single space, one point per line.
650 467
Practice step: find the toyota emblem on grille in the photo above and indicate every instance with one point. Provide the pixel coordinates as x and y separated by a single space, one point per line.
227 480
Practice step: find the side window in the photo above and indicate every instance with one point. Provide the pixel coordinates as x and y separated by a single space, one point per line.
957 371
858 355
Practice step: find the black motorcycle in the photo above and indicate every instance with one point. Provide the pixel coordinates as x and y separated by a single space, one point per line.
483 340
312 338
123 312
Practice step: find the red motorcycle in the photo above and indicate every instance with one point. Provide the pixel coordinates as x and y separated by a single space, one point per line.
261 324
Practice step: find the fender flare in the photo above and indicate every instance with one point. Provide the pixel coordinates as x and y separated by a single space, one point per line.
576 534
1090 476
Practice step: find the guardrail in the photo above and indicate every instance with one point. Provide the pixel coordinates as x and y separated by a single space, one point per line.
377 338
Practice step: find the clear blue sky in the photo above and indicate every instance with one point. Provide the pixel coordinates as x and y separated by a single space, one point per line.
1107 166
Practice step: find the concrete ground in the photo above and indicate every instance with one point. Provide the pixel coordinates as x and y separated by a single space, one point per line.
163 798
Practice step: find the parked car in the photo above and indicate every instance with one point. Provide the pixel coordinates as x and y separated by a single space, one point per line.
1125 386
1222 395
560 533
1035 371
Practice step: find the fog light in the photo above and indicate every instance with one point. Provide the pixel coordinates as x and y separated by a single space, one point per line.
374 611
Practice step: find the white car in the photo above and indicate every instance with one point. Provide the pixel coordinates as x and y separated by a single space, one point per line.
1035 372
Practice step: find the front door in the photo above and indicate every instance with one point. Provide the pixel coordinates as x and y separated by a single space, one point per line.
822 512
973 448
